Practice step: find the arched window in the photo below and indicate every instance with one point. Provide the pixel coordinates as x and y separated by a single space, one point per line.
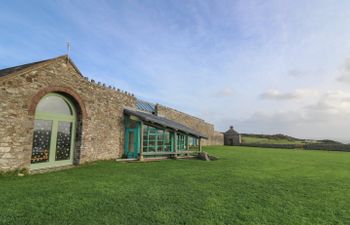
54 132
54 104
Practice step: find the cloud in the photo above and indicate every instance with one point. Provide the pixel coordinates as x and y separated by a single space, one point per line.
277 95
302 124
327 117
297 73
345 72
296 94
331 102
225 92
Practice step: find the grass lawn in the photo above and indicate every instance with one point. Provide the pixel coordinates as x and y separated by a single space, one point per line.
245 186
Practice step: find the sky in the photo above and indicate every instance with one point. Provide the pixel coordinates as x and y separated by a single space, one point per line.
262 66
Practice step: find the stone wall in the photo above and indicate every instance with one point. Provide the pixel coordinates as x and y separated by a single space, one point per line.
101 126
207 129
217 138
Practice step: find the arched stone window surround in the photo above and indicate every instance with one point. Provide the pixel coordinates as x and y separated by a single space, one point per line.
79 106
57 89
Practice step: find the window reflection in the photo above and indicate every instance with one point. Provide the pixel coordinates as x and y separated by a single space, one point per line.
53 104
41 141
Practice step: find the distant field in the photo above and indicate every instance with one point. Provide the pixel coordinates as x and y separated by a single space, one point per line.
253 186
265 140
273 139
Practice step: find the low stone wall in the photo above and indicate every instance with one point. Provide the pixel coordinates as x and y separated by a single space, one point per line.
207 129
324 147
100 130
217 138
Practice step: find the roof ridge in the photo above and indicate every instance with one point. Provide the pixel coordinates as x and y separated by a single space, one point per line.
14 69
24 68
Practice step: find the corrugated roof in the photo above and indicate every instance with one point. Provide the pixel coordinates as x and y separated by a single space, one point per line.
145 106
147 117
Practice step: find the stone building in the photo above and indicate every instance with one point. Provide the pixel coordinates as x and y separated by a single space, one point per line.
232 137
53 116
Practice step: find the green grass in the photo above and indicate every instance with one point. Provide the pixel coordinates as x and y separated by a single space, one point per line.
245 186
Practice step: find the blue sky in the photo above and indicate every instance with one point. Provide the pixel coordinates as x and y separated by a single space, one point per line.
262 66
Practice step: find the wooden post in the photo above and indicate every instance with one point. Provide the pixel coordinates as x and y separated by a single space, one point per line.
141 142
175 144
188 146
199 144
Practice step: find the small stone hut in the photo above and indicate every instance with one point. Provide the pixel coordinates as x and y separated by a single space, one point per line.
232 137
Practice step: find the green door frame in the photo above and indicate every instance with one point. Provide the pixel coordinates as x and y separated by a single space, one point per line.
137 138
55 118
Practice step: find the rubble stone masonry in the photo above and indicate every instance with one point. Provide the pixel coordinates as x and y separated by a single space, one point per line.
100 130
100 122
207 129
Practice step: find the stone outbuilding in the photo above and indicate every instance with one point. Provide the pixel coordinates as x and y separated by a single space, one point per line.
52 116
232 137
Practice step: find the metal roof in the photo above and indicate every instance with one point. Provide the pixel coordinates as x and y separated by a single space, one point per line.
145 106
147 117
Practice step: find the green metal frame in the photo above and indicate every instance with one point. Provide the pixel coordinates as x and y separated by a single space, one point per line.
192 143
136 151
150 131
55 118
154 140
181 142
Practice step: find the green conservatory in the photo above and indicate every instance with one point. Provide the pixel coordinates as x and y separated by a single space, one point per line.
151 136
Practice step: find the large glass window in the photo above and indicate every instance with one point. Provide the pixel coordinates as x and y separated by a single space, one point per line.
53 104
156 139
54 130
167 141
181 142
41 141
192 143
64 137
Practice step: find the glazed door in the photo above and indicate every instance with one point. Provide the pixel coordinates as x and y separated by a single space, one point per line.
54 132
132 143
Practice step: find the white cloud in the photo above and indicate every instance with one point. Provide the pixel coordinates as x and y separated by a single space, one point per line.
327 117
332 102
296 94
225 92
345 72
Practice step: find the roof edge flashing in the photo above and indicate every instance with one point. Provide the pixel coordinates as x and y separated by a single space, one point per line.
164 122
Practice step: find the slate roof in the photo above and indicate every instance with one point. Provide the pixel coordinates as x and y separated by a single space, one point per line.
14 69
11 70
145 106
231 131
147 117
